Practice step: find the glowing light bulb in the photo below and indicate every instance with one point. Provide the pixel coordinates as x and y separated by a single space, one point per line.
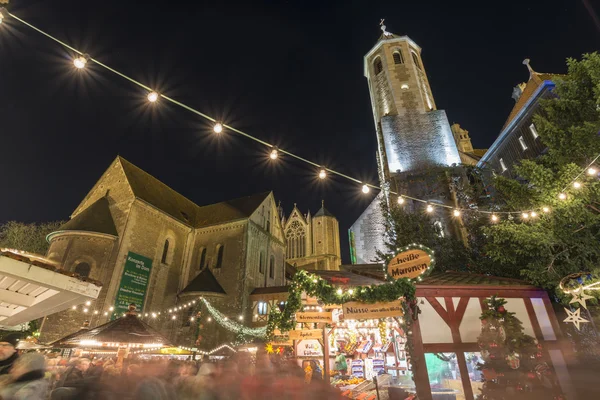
274 154
74 307
225 319
351 291
562 196
209 319
152 97
96 312
429 208
576 185
88 303
322 174
365 189
153 315
241 317
218 128
105 313
400 200
546 209
85 310
456 213
339 292
1 17
533 214
173 317
592 171
79 62
191 318
525 215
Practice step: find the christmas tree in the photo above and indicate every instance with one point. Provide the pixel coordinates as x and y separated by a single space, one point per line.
513 363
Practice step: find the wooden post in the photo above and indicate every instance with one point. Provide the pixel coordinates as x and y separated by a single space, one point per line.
326 354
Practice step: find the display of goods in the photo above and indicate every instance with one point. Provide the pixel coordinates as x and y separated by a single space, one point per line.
347 382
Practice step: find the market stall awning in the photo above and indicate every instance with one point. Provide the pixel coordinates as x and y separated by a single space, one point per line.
127 331
32 287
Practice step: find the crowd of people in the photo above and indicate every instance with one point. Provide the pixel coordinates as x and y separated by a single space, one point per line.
34 376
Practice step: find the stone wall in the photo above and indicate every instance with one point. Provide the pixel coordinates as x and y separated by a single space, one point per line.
369 231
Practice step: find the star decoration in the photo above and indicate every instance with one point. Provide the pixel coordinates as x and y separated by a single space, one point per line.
580 297
269 348
574 317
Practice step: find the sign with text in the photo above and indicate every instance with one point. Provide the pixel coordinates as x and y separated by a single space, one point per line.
409 264
357 310
306 334
134 283
281 339
314 316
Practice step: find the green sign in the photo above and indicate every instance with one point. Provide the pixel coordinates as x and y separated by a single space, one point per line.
134 283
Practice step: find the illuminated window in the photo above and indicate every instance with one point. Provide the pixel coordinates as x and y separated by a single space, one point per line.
377 66
533 131
522 142
398 57
165 253
296 240
503 165
262 308
220 250
415 59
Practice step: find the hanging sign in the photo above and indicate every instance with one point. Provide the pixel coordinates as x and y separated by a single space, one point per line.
313 316
134 283
411 263
306 334
357 310
280 339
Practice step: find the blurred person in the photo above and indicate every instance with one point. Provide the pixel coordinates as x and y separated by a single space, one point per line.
27 379
73 376
8 352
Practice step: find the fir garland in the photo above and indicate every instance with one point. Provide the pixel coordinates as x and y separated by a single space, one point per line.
315 286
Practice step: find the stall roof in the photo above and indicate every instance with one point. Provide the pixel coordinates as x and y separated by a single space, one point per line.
452 278
32 287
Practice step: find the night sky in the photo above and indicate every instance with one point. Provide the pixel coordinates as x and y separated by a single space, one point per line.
288 72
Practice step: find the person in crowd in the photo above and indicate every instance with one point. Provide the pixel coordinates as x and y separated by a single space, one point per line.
8 352
27 379
74 375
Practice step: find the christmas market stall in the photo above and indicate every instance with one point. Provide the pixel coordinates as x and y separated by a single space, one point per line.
387 333
121 337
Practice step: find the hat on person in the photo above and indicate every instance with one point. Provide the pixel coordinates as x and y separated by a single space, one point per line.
12 338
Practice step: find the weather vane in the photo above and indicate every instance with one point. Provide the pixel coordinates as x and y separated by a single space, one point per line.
383 27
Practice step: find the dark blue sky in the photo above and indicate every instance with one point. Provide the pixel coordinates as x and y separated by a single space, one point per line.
288 72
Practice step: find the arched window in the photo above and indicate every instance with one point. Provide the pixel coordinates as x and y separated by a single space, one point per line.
415 59
165 253
202 258
261 264
398 57
272 267
296 238
83 269
377 66
220 250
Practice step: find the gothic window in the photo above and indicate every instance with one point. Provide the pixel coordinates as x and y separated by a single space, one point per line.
272 267
202 258
415 59
83 269
261 266
165 253
295 236
377 66
220 249
398 57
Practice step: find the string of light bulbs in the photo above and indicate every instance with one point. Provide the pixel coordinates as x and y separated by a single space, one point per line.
81 60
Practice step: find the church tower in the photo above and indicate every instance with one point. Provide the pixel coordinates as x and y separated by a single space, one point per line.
413 136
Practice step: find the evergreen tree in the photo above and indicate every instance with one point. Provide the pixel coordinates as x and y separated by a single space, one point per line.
542 250
513 365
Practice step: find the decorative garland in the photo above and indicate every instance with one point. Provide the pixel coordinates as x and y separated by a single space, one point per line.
315 286
233 326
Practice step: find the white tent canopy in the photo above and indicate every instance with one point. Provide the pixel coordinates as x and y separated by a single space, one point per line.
31 288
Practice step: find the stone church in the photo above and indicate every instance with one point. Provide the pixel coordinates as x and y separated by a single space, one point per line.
152 246
413 138
313 242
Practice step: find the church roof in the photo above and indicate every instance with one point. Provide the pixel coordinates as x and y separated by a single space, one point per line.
205 282
95 218
230 210
323 212
153 191
536 79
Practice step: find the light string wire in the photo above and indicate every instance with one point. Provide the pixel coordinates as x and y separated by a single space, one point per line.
267 144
